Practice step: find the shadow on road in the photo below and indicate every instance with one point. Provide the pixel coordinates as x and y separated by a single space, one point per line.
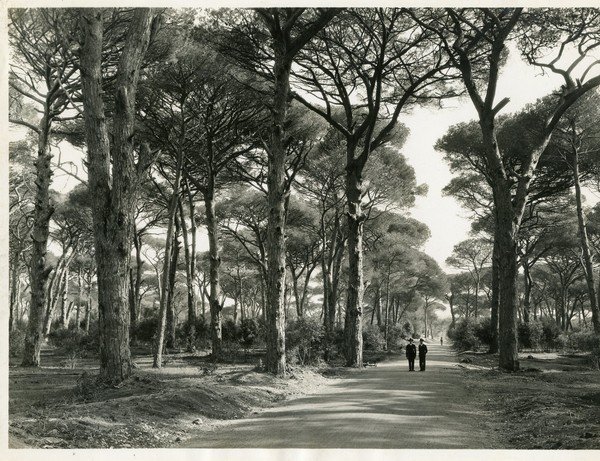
381 407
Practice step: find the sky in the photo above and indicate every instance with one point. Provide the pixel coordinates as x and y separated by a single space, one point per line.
447 221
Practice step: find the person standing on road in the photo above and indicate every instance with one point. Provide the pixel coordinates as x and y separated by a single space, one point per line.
411 353
441 340
422 354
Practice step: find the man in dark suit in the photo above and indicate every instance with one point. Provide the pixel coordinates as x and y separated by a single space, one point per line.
411 353
422 354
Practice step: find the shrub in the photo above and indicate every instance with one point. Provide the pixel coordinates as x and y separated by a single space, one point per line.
75 343
373 339
249 332
530 334
463 335
584 340
483 331
16 339
396 335
304 338
550 333
230 331
145 329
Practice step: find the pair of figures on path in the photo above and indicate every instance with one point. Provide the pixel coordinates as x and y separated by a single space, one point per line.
411 354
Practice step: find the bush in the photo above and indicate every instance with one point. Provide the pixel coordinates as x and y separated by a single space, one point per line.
145 329
373 339
230 331
16 339
530 334
483 331
75 343
396 335
249 332
304 341
463 335
550 334
584 340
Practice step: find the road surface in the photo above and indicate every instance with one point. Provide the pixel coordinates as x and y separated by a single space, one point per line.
379 407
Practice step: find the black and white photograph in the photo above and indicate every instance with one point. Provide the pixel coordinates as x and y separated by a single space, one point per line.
369 228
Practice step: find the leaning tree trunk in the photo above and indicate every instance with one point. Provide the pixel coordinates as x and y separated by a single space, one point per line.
276 199
38 270
354 301
216 308
113 185
162 313
585 246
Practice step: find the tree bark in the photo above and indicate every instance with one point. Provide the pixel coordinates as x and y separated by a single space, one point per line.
135 281
114 185
168 259
171 320
354 301
189 274
276 199
507 265
41 228
585 245
495 300
527 282
216 308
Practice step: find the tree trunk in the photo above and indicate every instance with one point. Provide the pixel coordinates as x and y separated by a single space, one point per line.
168 259
495 301
113 185
354 301
135 281
527 282
171 320
39 235
216 308
15 285
64 291
189 274
585 246
507 265
276 199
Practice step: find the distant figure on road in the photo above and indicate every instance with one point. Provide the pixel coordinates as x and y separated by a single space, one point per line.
422 354
441 341
411 353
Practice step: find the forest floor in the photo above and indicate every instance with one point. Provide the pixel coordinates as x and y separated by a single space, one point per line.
60 405
460 401
553 402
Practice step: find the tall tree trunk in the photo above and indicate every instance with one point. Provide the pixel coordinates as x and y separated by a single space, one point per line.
495 300
15 285
38 270
113 185
171 320
190 275
135 281
354 301
507 265
527 290
216 308
585 246
64 291
168 259
276 199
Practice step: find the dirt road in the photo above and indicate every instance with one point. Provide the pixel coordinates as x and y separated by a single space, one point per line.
379 407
